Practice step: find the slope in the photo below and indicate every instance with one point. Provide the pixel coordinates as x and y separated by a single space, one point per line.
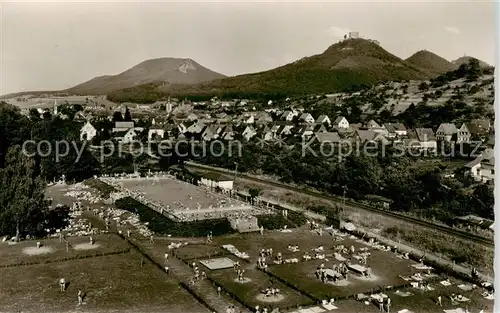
466 59
430 62
344 65
162 70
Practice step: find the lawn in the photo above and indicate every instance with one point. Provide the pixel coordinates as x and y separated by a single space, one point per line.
249 292
11 254
424 301
112 284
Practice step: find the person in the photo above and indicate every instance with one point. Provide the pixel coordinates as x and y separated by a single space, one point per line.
381 304
128 232
388 305
439 301
91 240
80 297
167 269
219 289
62 284
166 256
151 239
38 244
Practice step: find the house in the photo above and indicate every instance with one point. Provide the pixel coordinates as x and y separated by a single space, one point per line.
395 130
327 137
287 116
249 119
370 136
123 126
341 122
324 119
182 128
87 132
426 138
307 131
446 131
215 180
249 132
306 118
284 130
463 134
267 134
482 168
192 117
263 118
154 134
125 136
227 133
208 134
372 124
196 128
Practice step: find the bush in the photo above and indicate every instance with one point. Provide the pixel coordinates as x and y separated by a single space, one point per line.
163 225
277 221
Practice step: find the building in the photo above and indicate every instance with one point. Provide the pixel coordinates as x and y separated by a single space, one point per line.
353 35
463 134
341 122
446 131
87 132
215 180
324 119
482 169
306 118
123 126
156 134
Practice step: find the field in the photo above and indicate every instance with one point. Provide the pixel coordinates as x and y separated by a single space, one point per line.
111 283
53 250
250 292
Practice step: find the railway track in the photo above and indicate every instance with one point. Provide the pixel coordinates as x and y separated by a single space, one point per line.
355 205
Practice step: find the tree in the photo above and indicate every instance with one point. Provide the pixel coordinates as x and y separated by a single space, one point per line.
423 86
254 193
22 203
117 117
473 70
128 117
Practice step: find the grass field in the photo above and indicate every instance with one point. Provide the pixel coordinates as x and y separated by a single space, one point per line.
18 253
112 284
250 292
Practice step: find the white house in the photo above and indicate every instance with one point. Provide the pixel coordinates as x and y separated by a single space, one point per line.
249 132
482 169
307 118
126 136
288 116
215 180
446 131
341 122
158 133
87 132
324 119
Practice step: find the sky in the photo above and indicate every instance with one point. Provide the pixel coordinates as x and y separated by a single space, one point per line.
52 46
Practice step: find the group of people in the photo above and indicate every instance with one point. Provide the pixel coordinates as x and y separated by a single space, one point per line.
63 284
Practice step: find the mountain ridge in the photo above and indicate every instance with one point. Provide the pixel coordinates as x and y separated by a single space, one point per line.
158 70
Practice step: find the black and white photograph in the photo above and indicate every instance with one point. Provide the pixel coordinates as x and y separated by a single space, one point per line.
248 156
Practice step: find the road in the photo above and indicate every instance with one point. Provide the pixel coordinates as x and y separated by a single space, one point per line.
356 206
